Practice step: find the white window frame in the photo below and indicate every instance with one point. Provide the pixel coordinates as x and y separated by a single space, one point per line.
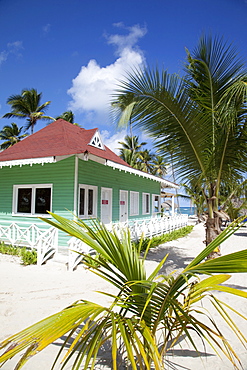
33 187
95 199
153 207
134 203
144 203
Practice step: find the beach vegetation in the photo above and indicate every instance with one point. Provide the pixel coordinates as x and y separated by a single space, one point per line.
28 256
199 118
148 314
157 240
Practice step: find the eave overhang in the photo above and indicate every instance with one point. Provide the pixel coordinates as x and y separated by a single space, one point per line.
164 183
28 161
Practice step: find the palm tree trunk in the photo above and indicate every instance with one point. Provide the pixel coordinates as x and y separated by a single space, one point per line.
213 223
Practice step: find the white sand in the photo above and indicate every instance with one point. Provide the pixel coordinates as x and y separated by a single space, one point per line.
28 294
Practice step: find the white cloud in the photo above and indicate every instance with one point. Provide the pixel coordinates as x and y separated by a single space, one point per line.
112 140
12 48
93 87
122 42
3 56
46 29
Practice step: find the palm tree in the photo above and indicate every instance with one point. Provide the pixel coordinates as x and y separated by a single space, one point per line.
11 135
130 157
27 105
131 143
195 194
158 166
200 118
147 316
67 116
130 150
146 160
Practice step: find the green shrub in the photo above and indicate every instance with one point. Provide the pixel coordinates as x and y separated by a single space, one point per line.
28 256
164 238
10 249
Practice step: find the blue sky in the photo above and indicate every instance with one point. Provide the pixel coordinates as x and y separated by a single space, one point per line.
76 51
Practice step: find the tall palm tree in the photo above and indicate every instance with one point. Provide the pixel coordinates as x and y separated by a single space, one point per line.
130 157
11 135
146 160
200 118
159 166
131 143
67 116
27 105
130 151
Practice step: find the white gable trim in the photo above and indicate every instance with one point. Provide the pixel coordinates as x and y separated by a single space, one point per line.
96 141
120 167
30 161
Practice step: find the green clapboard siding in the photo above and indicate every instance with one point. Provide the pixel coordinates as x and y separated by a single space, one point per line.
93 173
61 176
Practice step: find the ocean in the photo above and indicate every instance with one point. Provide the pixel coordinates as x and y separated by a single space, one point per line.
186 210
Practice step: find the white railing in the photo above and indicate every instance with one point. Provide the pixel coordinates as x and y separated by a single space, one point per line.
76 247
30 235
145 228
45 241
151 227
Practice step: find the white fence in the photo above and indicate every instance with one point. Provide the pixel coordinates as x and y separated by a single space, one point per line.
147 228
45 241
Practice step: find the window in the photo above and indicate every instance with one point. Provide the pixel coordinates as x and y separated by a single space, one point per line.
156 203
87 201
145 203
134 203
32 200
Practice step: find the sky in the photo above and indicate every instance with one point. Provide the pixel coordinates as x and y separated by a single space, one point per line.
76 52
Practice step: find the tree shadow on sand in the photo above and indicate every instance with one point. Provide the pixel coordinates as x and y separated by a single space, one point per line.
104 357
176 260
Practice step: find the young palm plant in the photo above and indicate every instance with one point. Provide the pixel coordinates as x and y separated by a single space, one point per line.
144 308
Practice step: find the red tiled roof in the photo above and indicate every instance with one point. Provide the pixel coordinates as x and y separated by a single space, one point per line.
57 139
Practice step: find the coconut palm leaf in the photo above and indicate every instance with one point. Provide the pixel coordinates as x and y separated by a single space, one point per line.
142 308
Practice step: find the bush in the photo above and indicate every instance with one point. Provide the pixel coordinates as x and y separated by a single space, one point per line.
164 238
10 250
28 256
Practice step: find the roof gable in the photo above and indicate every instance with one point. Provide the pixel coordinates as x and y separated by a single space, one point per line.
97 141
